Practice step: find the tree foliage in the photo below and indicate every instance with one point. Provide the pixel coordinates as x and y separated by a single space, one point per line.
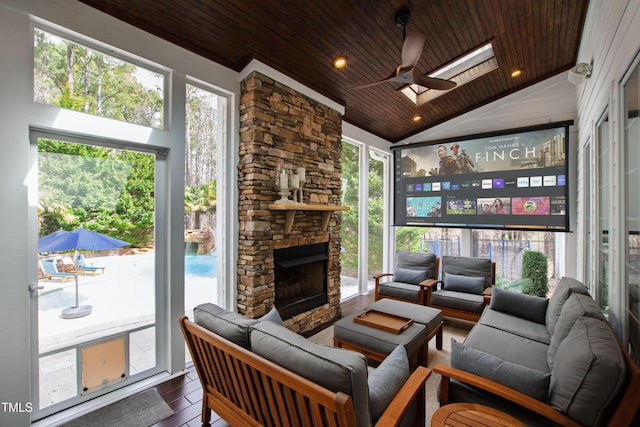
103 189
535 269
75 77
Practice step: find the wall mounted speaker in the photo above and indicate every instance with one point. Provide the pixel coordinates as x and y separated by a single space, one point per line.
579 73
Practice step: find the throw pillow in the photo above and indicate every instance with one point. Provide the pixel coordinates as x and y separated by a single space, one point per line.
385 381
529 381
528 307
409 275
467 284
227 324
272 316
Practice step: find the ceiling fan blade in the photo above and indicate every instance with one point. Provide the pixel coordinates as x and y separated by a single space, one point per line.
389 78
412 49
432 82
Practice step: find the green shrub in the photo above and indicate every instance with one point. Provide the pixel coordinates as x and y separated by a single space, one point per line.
535 268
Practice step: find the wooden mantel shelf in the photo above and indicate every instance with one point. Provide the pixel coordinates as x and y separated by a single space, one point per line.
291 208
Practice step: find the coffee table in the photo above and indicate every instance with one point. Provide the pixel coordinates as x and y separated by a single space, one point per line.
471 414
377 342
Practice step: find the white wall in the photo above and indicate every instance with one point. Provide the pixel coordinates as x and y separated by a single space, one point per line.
610 41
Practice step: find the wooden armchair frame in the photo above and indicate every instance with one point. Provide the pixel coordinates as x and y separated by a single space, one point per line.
461 314
423 286
245 389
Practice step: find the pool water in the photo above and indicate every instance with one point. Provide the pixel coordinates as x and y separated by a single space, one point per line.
200 265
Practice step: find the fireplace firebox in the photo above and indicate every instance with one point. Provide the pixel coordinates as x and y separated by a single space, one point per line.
300 278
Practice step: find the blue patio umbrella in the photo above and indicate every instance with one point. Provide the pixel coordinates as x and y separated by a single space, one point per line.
78 239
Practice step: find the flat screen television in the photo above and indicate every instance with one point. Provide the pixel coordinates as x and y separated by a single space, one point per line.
514 179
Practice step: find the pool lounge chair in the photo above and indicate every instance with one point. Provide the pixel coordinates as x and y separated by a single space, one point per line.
84 268
51 271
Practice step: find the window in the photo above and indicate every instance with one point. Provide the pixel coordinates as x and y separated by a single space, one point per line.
603 206
632 172
350 219
462 70
201 199
76 77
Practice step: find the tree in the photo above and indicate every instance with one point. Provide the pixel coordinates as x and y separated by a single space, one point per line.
535 269
107 190
200 199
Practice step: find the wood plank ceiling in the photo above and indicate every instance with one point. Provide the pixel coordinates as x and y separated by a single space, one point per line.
301 38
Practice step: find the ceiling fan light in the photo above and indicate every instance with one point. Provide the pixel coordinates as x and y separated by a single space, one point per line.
340 62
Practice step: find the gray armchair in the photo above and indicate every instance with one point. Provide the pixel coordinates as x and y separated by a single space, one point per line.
411 274
465 288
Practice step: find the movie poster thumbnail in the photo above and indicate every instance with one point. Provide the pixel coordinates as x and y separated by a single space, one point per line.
461 206
526 150
530 206
494 206
424 207
558 205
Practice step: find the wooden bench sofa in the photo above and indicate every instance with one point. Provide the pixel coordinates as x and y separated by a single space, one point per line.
247 389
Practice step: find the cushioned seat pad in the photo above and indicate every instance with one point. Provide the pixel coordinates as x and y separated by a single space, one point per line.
378 340
515 325
458 300
405 291
509 347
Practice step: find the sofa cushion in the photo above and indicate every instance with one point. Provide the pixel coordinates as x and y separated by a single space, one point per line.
515 325
566 286
467 266
588 373
460 283
509 347
529 381
333 368
529 307
227 324
385 381
458 300
577 305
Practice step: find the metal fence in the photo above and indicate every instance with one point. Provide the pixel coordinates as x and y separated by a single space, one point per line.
507 254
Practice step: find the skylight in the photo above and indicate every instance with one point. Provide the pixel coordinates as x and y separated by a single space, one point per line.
462 70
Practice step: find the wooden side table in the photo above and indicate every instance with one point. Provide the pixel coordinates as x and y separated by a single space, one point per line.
471 414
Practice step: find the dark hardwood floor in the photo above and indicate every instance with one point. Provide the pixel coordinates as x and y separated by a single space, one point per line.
184 394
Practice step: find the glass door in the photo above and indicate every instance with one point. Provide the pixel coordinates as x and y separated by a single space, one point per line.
95 302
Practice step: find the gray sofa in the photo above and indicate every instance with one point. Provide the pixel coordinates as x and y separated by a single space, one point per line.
544 359
386 395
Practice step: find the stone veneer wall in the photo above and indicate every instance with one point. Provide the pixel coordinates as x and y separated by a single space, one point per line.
280 127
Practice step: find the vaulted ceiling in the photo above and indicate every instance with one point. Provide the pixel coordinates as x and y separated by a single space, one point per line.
300 38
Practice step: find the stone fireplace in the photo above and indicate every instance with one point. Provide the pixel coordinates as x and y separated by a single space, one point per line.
282 128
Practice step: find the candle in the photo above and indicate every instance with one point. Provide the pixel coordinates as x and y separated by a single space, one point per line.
284 180
295 181
301 172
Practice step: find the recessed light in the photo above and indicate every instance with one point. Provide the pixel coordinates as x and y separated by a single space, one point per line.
417 118
516 73
340 62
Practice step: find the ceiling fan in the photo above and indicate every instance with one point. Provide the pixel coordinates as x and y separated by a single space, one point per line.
406 72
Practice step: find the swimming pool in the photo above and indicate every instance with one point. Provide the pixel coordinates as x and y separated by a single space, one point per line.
201 265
